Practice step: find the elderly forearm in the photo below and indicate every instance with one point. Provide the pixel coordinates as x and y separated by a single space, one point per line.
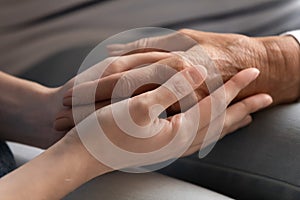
284 52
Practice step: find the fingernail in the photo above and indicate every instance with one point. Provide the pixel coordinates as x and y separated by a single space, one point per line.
268 100
255 72
197 74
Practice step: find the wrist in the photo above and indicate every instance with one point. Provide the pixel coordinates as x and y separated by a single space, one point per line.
283 66
27 112
62 168
89 166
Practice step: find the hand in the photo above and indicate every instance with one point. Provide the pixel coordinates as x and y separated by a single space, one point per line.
27 112
123 85
276 57
144 112
29 109
160 72
81 166
110 67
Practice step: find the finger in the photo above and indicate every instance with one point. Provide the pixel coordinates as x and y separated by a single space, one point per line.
114 65
199 146
244 122
128 62
125 84
171 42
220 99
65 119
237 116
191 150
240 110
143 107
188 101
153 103
203 113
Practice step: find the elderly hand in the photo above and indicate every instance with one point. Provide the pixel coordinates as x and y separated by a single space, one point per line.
277 58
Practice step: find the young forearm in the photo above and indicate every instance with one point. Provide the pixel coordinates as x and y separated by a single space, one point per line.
13 101
52 175
26 111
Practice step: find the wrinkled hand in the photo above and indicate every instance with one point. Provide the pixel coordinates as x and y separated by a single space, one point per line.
277 58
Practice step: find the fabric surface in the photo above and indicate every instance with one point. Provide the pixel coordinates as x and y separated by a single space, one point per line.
149 186
31 31
124 186
7 162
261 161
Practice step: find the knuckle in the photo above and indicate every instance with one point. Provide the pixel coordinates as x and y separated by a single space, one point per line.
111 65
141 109
179 87
113 68
163 71
176 62
110 60
235 84
123 87
176 123
118 64
179 63
244 106
141 105
141 43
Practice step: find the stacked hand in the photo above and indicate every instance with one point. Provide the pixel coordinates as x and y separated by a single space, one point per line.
139 74
223 56
114 117
134 98
277 58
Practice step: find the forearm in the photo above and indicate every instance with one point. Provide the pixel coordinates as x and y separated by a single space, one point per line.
278 60
284 52
276 57
55 173
24 110
12 92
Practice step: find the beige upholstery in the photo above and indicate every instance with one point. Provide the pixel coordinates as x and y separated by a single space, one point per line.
124 186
